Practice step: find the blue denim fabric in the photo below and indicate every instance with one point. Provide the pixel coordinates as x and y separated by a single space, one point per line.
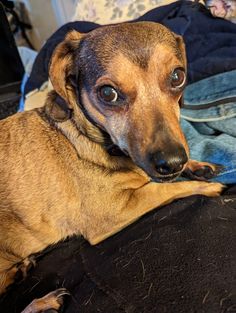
22 99
209 122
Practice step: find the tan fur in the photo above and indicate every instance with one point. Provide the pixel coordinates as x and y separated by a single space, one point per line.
57 178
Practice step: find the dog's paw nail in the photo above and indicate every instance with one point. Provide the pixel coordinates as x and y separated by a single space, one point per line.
61 292
59 295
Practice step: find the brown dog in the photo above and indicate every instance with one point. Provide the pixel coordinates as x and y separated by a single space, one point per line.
94 158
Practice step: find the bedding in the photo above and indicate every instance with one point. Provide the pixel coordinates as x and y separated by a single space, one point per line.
114 11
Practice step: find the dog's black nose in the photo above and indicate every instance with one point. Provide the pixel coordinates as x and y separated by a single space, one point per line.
171 162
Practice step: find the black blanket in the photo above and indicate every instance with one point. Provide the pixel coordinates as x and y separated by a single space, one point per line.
177 259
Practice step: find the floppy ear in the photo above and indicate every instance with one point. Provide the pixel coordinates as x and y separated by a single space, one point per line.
181 45
61 67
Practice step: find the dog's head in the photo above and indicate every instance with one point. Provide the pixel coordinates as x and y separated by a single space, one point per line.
126 80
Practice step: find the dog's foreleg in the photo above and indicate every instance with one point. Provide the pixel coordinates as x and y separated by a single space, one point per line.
150 196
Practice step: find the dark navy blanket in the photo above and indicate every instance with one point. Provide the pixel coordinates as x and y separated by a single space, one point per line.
210 42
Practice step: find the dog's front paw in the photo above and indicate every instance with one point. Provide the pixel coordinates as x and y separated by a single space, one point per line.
201 170
210 189
52 302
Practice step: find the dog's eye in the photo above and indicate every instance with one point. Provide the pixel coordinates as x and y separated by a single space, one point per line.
178 78
108 93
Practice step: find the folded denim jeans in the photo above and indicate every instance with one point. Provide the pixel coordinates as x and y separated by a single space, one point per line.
208 119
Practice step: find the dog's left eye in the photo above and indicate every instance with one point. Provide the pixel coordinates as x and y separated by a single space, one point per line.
178 78
108 93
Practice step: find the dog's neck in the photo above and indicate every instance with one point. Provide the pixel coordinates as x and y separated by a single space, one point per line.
91 151
77 127
100 138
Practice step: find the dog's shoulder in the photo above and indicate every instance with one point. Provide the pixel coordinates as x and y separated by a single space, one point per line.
21 122
26 130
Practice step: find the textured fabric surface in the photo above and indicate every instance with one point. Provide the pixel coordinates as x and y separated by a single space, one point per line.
209 122
180 259
114 11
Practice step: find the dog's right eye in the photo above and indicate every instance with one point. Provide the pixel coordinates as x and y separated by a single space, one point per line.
108 94
178 78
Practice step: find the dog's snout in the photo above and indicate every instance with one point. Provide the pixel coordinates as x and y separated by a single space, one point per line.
168 163
168 167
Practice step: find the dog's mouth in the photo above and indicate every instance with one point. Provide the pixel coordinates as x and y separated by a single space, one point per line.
156 177
115 150
166 178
